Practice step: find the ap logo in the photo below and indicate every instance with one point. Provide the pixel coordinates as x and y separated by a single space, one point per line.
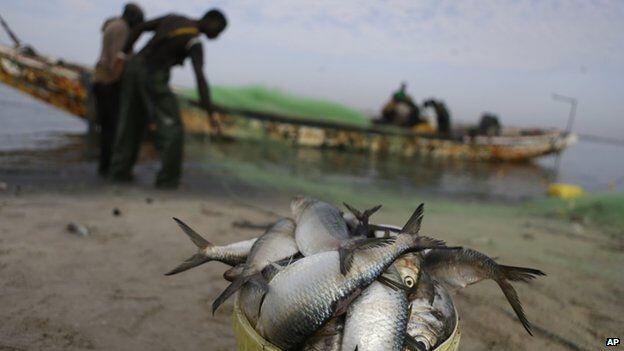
612 342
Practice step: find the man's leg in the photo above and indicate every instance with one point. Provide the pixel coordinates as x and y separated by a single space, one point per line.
169 132
108 107
132 122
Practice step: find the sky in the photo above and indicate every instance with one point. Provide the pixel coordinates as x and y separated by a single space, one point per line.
504 56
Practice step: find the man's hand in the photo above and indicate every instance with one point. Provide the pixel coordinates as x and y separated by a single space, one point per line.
118 65
215 126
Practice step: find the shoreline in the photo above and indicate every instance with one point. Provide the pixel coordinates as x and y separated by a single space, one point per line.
107 290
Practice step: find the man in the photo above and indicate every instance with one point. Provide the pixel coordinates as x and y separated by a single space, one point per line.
442 115
400 110
106 78
145 93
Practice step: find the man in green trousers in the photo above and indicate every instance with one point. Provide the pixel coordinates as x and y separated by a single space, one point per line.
146 96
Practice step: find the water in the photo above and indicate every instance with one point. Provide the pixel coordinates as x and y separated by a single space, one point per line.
36 136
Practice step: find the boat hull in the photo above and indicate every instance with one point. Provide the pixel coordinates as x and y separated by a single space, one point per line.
65 88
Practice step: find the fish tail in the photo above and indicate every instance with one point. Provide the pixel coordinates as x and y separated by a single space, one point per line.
198 258
412 226
248 276
347 250
520 274
514 301
231 274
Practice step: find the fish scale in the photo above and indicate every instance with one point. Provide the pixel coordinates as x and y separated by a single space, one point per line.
377 319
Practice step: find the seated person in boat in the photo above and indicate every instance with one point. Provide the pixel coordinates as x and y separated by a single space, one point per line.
145 93
443 117
400 110
489 125
106 78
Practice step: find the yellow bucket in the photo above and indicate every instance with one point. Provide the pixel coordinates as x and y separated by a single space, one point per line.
565 191
247 339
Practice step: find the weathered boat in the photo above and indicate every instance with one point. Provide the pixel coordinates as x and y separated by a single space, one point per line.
65 86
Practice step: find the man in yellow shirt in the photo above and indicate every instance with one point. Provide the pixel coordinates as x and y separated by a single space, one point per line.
146 96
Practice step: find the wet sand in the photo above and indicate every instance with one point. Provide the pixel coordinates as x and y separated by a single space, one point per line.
106 291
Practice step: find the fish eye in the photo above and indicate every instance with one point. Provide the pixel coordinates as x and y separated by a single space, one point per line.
409 281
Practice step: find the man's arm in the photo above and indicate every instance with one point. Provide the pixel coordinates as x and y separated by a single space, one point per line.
136 32
197 58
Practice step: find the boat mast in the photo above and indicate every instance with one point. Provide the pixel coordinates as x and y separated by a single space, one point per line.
573 103
14 37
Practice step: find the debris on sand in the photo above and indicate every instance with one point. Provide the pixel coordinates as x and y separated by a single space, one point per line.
78 229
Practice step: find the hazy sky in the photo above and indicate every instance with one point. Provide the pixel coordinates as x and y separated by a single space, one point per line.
501 56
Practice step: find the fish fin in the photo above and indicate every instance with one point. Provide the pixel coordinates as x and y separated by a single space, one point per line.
197 259
234 272
520 274
193 261
345 257
413 344
233 287
392 284
342 305
368 213
514 301
197 239
425 288
354 211
425 242
412 226
362 216
345 252
259 281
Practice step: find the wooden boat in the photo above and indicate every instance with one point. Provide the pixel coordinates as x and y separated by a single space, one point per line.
64 86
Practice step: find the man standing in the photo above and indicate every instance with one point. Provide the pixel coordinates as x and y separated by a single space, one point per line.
106 78
145 93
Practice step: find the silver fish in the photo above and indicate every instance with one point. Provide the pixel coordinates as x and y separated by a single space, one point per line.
376 320
328 338
303 296
231 254
431 322
277 243
251 295
460 268
320 226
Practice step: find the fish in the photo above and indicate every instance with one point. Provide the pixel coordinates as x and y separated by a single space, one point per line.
231 254
459 268
432 313
307 293
320 226
277 243
431 321
377 319
251 295
328 338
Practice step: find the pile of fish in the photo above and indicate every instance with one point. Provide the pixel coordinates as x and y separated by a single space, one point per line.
331 280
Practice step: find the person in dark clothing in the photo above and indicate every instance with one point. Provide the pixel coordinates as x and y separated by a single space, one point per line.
106 77
145 92
489 125
443 116
401 110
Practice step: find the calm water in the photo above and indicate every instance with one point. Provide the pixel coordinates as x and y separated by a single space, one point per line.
35 135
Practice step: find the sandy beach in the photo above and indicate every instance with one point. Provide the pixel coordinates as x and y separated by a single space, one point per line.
107 291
